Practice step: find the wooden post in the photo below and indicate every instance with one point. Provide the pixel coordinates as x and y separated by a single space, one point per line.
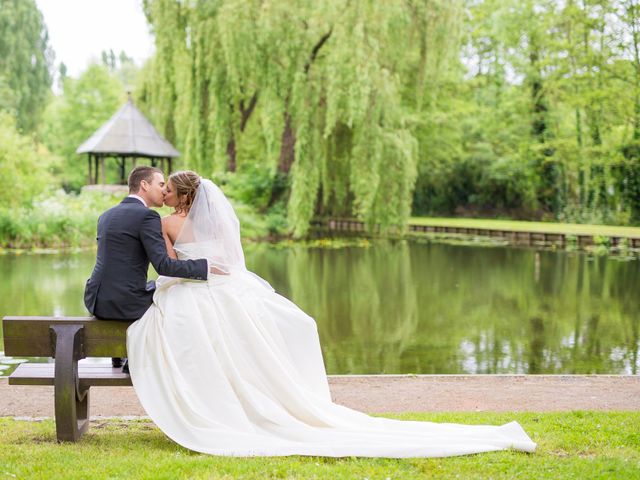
122 168
72 403
169 162
89 173
95 169
102 174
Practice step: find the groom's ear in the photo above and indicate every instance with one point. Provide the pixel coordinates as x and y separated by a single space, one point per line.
144 185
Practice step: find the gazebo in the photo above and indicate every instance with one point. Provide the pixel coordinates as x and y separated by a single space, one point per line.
127 134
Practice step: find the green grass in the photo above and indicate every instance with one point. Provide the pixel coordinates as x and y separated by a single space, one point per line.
540 227
571 445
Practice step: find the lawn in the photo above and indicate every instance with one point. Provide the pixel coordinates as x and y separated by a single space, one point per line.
576 445
519 226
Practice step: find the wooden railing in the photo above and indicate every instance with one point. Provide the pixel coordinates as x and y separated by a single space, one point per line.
519 237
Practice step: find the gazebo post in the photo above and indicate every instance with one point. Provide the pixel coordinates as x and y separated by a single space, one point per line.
169 162
95 169
122 168
89 173
102 174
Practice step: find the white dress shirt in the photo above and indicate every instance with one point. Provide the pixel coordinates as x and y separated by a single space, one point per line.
138 197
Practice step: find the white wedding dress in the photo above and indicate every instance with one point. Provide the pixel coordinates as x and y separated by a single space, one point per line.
229 367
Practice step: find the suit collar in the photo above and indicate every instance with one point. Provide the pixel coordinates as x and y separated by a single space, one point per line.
133 200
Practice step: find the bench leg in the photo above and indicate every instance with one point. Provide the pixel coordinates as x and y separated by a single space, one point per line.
72 403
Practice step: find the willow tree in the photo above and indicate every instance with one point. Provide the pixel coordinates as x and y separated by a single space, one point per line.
329 94
25 60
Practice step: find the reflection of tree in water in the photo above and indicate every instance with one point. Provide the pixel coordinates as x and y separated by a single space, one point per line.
435 308
364 300
470 308
270 263
624 279
536 345
402 307
44 284
491 310
587 320
602 312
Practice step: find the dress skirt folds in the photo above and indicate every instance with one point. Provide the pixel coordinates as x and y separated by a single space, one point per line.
229 367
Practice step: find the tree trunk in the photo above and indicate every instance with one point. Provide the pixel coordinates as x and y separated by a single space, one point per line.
231 153
287 146
548 194
245 114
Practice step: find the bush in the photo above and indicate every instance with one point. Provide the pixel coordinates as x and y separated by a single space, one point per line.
23 172
255 185
54 219
277 219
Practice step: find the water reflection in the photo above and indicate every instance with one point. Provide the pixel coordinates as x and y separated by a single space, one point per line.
366 307
407 307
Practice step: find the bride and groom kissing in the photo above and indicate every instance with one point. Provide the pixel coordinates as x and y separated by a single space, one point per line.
222 363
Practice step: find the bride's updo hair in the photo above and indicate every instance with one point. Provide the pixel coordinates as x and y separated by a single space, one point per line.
186 184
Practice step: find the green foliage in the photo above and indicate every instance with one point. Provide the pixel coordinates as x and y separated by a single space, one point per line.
252 191
325 94
277 223
59 220
541 119
253 185
23 169
122 66
25 60
70 119
55 219
376 110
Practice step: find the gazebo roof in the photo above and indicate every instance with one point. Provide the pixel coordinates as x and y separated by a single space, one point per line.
128 133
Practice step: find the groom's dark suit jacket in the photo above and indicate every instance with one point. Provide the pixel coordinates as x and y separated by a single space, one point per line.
129 236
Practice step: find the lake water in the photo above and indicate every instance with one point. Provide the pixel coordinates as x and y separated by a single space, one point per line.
411 307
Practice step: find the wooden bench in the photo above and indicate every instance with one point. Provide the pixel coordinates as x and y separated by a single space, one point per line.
67 339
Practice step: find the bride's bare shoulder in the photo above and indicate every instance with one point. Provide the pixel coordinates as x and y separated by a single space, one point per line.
172 223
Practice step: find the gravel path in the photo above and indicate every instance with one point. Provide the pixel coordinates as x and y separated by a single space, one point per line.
394 393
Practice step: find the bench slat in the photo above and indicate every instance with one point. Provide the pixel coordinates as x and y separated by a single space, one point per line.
30 336
90 375
86 367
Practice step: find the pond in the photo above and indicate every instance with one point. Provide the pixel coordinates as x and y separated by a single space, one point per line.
413 307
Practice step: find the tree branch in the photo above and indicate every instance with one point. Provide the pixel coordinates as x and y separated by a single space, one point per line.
246 113
316 49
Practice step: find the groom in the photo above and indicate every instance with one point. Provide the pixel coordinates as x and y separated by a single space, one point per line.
129 237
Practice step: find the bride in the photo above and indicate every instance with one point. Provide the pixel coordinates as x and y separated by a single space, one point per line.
229 367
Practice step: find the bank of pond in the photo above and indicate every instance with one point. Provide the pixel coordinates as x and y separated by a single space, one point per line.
412 306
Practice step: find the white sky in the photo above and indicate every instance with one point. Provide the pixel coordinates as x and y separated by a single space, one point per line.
80 29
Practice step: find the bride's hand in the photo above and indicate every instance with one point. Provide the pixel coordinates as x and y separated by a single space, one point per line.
217 271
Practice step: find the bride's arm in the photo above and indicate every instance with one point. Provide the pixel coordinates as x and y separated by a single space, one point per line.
167 240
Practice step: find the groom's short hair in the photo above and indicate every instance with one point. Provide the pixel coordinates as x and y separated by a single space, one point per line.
138 174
